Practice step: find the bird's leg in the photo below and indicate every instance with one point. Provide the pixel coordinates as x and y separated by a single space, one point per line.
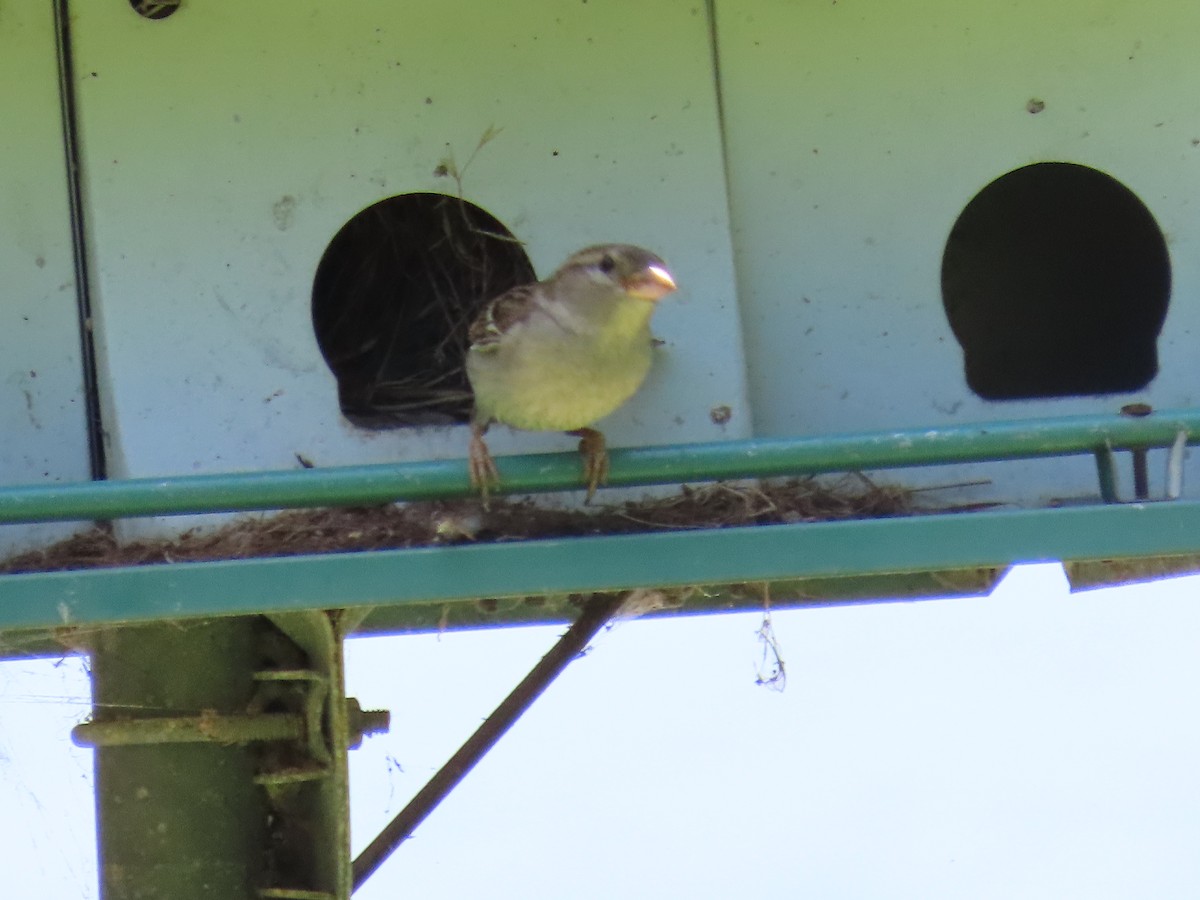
594 451
480 465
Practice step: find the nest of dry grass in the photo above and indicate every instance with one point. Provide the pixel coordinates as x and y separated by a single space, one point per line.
394 526
394 296
393 299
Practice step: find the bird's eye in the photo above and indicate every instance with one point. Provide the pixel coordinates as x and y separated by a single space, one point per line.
607 264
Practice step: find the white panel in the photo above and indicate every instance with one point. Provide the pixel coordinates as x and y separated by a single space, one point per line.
226 145
857 132
42 417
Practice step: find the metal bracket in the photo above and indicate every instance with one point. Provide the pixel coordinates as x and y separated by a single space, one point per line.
1106 469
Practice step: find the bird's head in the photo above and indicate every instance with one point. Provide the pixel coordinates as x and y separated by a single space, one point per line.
632 270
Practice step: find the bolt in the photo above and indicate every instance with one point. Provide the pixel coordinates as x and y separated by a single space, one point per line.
362 722
207 728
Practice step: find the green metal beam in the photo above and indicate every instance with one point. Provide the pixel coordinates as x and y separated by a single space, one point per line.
565 566
366 485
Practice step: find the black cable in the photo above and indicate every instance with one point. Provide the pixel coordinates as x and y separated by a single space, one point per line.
87 350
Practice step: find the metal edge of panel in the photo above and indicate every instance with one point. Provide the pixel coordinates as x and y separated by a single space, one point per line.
432 577
478 613
698 599
1090 574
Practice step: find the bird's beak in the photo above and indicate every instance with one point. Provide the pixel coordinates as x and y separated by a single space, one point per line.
652 283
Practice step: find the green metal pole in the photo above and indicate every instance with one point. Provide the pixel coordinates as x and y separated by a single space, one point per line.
221 764
179 821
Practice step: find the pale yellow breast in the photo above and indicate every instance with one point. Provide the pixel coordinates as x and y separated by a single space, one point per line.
557 385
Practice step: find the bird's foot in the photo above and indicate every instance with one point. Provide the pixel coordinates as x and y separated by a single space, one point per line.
594 450
481 467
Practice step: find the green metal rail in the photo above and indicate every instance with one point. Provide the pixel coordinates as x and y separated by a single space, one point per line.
366 485
540 580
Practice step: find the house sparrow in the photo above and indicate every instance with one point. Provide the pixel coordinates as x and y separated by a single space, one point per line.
561 354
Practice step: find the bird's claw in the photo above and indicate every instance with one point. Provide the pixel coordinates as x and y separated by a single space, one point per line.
481 467
594 450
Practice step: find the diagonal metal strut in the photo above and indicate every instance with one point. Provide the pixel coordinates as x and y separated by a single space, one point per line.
595 614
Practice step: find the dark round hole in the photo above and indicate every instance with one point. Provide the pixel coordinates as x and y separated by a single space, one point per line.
155 9
1055 280
393 297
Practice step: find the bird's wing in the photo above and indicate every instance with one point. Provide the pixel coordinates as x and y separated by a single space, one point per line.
500 315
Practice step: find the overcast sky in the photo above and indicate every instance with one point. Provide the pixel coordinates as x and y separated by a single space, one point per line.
1030 744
